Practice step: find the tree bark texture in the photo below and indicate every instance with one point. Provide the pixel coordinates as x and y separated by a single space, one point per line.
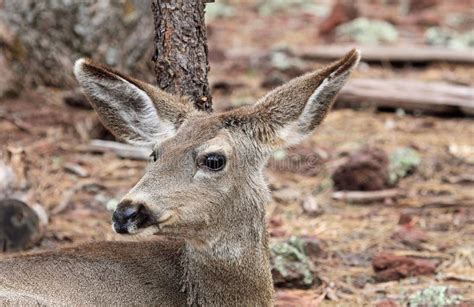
181 63
40 40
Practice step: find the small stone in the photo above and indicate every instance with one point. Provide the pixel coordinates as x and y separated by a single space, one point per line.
311 207
404 219
276 221
410 235
366 170
314 248
389 267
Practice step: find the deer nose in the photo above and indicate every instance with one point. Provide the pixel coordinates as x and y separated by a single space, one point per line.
129 217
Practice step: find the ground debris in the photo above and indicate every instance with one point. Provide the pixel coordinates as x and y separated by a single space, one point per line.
403 161
388 266
311 207
366 196
386 303
19 226
76 169
437 295
291 267
366 170
410 235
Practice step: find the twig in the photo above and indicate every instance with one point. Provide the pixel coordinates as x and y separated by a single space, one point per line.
365 197
439 202
427 255
17 122
456 277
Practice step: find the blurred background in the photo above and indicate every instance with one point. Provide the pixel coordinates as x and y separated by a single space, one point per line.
376 208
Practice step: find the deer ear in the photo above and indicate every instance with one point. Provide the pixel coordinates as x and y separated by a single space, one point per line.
132 110
289 113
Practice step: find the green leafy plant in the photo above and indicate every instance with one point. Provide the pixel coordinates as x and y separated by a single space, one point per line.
402 162
434 296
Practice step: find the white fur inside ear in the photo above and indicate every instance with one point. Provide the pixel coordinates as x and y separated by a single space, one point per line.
145 121
315 108
121 103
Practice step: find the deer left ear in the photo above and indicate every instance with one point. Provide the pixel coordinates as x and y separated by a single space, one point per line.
289 113
132 110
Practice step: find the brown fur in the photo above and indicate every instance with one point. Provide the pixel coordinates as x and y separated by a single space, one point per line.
219 217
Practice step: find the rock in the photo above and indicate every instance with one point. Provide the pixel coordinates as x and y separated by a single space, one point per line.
405 219
366 170
313 247
19 226
462 152
342 12
290 265
410 236
389 267
418 5
311 206
286 195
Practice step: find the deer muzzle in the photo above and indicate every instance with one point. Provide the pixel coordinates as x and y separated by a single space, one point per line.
129 217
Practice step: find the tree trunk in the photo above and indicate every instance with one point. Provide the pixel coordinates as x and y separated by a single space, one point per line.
181 63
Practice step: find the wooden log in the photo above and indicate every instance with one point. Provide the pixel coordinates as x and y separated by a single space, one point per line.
410 54
428 97
365 196
122 150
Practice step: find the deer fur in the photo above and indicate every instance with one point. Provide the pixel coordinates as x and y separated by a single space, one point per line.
217 251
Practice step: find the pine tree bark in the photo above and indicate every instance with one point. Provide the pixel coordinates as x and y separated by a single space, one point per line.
181 63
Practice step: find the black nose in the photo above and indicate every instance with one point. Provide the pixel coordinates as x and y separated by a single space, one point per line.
129 215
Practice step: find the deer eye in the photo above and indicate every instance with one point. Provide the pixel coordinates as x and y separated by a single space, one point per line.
214 162
153 156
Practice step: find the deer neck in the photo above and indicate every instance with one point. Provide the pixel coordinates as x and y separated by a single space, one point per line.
232 268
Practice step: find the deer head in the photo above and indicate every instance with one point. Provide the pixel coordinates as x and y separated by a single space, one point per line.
205 178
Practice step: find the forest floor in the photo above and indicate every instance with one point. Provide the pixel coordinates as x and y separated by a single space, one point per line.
432 219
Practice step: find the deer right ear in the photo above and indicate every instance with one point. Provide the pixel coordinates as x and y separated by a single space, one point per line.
292 111
132 110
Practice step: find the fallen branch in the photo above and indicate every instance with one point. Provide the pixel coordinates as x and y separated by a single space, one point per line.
410 54
439 202
432 97
122 150
365 196
463 178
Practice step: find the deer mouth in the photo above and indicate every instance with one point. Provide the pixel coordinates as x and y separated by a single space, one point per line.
152 227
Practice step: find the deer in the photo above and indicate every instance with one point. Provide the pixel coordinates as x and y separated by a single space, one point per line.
203 192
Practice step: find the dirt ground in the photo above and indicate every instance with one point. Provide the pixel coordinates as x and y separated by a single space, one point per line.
45 135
